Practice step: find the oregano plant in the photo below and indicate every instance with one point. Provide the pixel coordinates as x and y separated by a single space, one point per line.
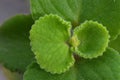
64 40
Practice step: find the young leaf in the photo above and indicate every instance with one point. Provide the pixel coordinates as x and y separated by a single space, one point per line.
106 12
106 67
93 38
67 9
115 44
15 50
34 72
49 36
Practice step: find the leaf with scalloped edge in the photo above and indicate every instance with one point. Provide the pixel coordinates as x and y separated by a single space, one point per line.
49 36
93 38
106 12
34 72
106 67
15 52
67 9
115 43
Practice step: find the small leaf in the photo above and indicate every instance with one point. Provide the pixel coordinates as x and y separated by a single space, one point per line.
93 38
49 36
115 44
106 12
15 52
67 9
106 67
34 72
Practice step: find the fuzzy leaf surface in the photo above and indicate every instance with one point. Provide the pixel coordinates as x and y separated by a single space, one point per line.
15 52
93 38
49 36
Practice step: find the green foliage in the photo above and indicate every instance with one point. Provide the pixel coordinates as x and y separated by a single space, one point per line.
67 9
15 51
49 37
70 39
116 43
84 69
106 12
93 39
106 67
34 72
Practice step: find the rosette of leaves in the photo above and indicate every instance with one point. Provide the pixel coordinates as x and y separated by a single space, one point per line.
54 45
71 40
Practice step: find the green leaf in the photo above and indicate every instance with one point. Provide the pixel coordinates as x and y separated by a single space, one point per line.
84 69
106 12
93 38
34 72
106 67
15 52
67 9
49 36
115 44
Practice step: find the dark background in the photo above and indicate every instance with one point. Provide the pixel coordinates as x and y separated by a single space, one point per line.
9 8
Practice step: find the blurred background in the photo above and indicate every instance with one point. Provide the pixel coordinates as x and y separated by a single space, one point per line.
9 8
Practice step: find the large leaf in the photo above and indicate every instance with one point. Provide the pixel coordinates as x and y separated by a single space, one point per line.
116 44
93 38
49 40
106 67
106 12
15 52
34 72
67 9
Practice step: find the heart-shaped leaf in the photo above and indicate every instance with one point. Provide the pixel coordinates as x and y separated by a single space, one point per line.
93 38
15 50
84 69
49 40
